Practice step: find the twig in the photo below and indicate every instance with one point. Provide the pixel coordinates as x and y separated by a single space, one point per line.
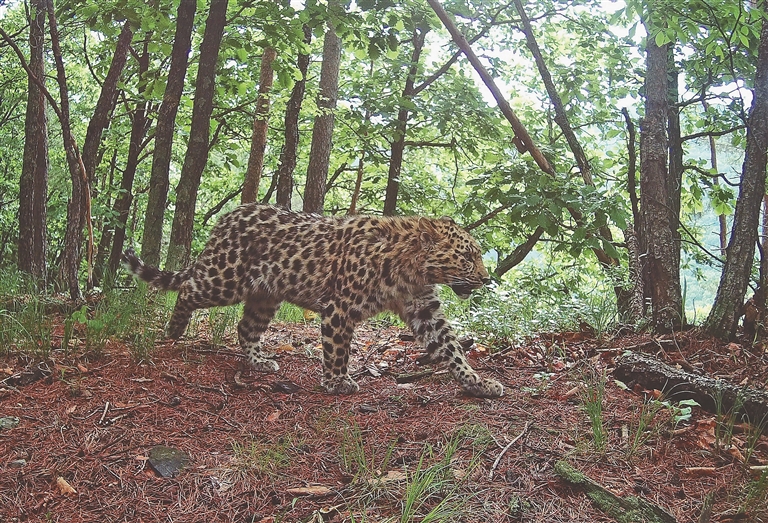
104 414
505 449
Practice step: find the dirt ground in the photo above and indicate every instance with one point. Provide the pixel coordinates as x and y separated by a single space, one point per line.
273 447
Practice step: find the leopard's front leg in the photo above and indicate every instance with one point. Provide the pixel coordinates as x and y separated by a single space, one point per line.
429 325
337 335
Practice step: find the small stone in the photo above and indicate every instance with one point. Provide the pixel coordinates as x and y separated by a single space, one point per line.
17 464
284 387
167 461
8 422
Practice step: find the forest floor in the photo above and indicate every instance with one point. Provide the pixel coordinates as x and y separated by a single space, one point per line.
273 447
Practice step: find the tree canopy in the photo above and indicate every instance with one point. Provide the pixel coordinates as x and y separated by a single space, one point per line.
145 149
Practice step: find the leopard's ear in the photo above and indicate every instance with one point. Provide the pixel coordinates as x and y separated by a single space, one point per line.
428 233
447 219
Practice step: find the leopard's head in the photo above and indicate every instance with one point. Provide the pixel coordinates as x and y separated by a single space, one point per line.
452 256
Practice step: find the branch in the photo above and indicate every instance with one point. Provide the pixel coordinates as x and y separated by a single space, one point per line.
30 74
449 145
705 134
519 254
216 208
522 140
708 174
488 217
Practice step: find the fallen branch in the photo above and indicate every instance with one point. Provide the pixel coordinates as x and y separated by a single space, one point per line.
413 377
505 449
713 395
623 509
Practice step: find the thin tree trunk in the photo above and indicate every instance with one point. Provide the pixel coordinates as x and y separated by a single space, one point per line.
632 309
658 241
199 138
561 119
164 131
726 310
401 127
139 127
106 103
101 114
260 128
33 185
721 219
322 131
287 164
358 184
522 139
78 208
674 179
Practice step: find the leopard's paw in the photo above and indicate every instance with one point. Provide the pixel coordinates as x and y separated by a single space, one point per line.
341 385
262 364
485 388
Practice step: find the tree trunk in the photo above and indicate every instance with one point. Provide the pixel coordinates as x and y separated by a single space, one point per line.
139 127
199 135
358 185
623 297
33 185
401 127
675 178
284 174
78 208
164 131
658 246
101 114
721 219
724 317
631 308
522 139
322 131
260 128
106 103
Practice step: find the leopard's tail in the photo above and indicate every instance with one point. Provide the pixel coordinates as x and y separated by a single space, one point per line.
163 280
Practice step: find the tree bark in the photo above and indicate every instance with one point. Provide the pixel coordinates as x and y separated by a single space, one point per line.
322 131
33 185
164 131
284 174
260 128
724 317
401 127
199 138
658 245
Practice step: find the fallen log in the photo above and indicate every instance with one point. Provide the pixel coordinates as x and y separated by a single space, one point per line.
628 509
717 396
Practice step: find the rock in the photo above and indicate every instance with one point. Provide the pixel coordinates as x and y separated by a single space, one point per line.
8 422
167 461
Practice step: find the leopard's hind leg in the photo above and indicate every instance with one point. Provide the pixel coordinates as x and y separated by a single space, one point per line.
258 311
186 303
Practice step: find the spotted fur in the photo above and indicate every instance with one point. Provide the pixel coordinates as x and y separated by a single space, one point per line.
345 268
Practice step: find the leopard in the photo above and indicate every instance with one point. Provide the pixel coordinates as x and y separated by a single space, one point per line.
344 268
